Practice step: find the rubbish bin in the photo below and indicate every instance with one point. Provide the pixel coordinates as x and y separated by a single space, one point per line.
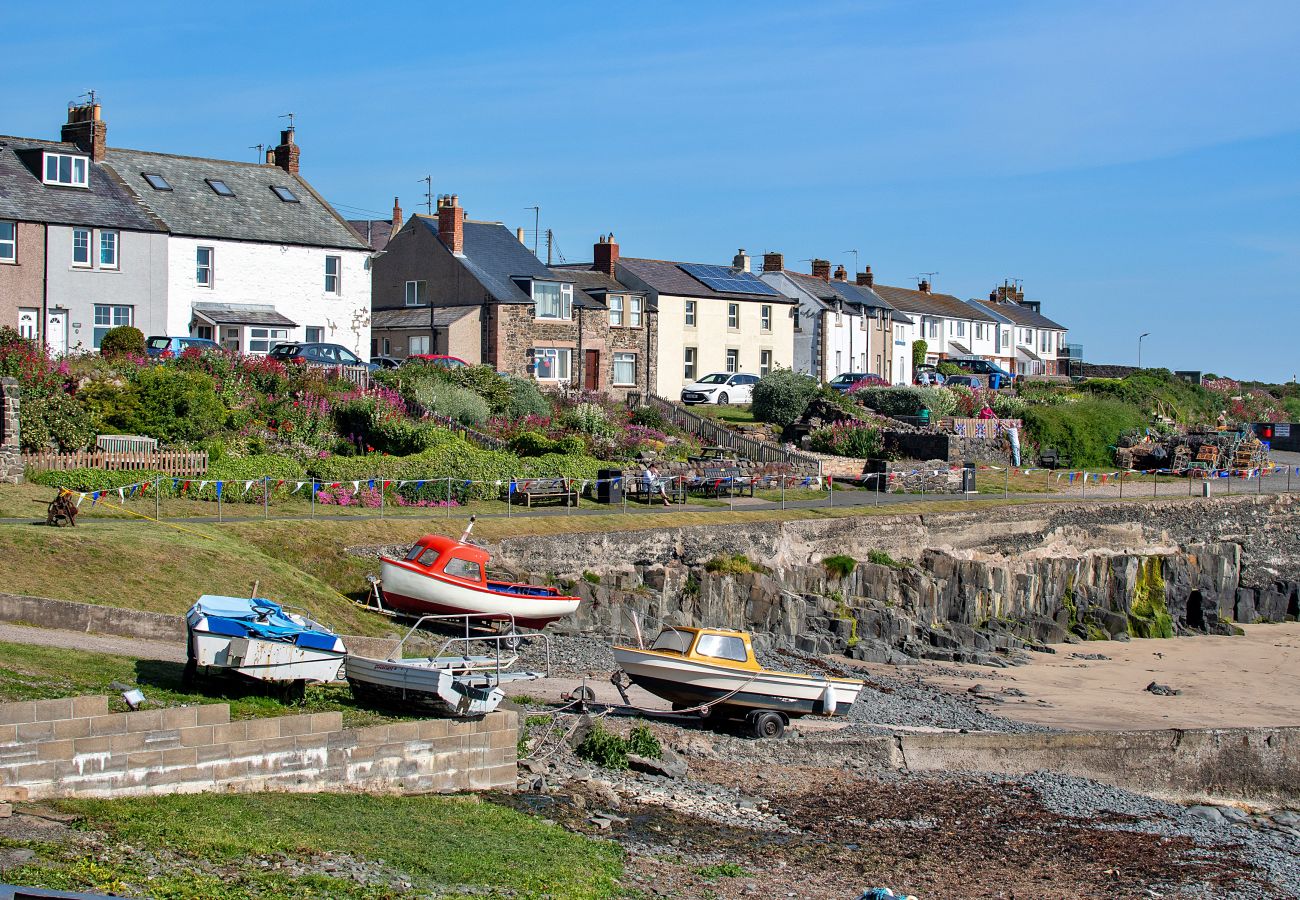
968 479
609 486
924 417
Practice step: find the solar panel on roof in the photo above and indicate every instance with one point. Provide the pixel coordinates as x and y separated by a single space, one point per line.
728 281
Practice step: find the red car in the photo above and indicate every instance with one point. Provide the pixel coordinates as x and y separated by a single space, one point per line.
437 359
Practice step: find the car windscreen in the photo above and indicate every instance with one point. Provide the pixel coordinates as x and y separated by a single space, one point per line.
716 378
160 343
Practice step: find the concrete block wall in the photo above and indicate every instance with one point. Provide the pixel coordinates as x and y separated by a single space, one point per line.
77 748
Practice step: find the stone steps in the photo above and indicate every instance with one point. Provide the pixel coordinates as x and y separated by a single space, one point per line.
198 748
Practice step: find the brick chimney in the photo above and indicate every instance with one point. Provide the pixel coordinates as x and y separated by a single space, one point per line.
605 254
285 156
841 274
821 268
741 261
397 216
87 130
451 223
866 279
924 286
773 262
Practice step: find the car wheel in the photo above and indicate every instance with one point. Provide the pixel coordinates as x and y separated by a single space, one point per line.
722 399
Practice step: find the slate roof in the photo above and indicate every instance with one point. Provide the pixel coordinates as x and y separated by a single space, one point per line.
494 256
243 314
375 232
417 316
106 203
255 213
591 286
930 304
1020 315
665 277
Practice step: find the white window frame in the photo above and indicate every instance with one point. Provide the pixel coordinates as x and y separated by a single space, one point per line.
616 309
733 361
690 313
765 362
205 272
78 170
561 366
690 364
733 316
114 315
261 340
109 240
319 334
416 290
634 305
417 343
624 359
88 245
336 275
934 328
765 316
961 328
9 245
562 311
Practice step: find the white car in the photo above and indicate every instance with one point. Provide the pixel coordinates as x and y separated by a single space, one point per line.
720 387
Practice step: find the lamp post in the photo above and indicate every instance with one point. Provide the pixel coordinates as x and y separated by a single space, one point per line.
1145 334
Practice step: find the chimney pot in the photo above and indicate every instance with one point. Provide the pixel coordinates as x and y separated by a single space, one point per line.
397 216
924 286
841 274
87 130
821 268
741 261
773 262
451 225
519 233
605 255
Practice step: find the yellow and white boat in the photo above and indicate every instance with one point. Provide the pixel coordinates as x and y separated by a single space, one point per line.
714 671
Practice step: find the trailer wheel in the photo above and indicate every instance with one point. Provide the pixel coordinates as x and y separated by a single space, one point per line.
766 724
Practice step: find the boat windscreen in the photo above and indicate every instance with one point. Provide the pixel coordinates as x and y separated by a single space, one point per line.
673 641
429 557
463 568
414 552
721 646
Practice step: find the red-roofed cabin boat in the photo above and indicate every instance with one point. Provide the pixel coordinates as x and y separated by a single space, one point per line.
443 575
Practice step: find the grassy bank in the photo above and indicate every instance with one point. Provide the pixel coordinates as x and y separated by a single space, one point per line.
29 672
351 846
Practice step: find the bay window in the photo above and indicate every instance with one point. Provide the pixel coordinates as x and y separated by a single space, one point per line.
625 369
553 300
552 363
261 340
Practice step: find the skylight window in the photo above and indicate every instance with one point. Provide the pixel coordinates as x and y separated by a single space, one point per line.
219 187
284 194
156 181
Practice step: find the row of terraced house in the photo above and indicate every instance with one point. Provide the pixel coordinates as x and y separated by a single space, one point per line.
248 254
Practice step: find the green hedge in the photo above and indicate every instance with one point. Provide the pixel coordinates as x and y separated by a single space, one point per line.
1086 430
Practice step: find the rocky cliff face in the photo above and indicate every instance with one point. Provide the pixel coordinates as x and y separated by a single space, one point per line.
977 586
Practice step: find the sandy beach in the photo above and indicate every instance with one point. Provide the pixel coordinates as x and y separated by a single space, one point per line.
1250 680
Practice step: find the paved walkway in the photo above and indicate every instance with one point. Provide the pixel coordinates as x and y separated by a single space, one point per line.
94 643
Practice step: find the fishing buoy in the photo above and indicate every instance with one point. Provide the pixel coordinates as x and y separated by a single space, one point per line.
828 700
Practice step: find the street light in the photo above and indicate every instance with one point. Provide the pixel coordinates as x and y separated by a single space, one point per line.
1146 334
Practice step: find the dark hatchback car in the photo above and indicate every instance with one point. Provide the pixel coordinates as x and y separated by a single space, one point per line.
317 355
163 347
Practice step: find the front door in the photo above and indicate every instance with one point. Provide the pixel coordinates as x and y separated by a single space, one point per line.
591 374
56 331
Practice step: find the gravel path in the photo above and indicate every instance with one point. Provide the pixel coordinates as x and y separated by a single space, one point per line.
96 643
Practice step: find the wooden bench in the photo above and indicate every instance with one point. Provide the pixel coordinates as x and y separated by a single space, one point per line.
637 488
1050 458
531 489
723 482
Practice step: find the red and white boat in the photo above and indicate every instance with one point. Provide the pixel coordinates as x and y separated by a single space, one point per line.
440 574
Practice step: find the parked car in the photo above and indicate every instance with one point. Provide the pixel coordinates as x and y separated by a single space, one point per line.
720 387
385 362
303 353
929 377
163 347
437 359
970 381
996 376
844 381
870 380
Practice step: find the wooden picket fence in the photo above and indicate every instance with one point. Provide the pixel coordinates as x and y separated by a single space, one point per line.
176 463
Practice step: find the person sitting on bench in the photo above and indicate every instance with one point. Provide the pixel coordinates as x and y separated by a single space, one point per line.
657 484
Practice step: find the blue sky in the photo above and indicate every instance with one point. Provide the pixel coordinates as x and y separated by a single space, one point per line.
1137 164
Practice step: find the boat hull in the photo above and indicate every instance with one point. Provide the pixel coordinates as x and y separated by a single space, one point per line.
264 660
686 683
419 594
424 685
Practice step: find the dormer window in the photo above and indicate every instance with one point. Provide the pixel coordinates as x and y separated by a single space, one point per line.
156 181
66 169
554 301
283 193
220 188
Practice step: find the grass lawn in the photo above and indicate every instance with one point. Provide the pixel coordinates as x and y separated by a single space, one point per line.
245 846
731 414
29 672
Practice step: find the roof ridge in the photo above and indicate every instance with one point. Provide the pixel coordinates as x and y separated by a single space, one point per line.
186 156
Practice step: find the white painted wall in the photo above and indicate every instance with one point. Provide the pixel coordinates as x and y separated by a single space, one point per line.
711 338
903 337
291 278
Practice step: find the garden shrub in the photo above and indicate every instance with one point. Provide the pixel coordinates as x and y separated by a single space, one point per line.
588 418
457 403
919 350
651 417
124 340
54 420
169 404
781 396
938 400
857 440
946 368
526 399
484 381
96 479
532 443
1086 430
891 401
